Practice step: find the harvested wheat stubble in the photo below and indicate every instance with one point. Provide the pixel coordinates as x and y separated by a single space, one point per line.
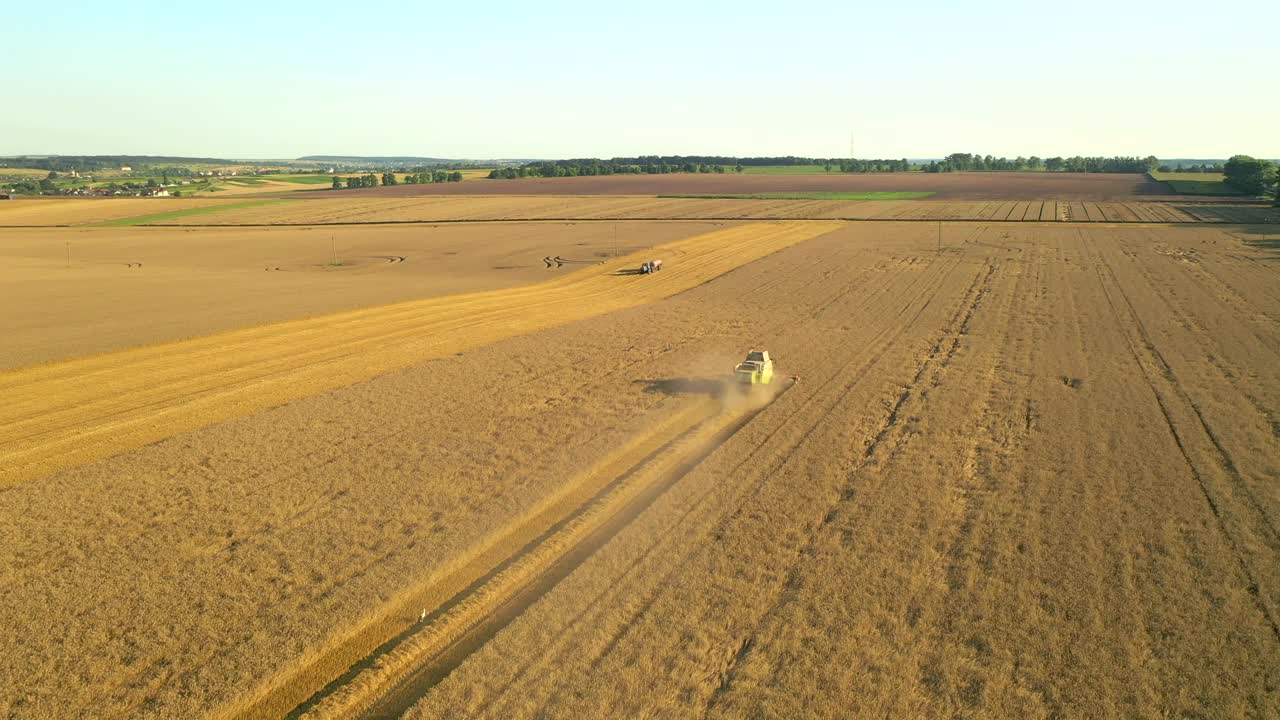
123 284
72 412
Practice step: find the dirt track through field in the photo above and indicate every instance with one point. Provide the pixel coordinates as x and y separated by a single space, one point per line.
393 680
72 412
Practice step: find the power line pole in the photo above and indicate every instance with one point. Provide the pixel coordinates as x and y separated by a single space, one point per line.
333 248
939 237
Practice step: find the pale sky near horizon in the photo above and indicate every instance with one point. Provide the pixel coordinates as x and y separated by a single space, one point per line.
274 79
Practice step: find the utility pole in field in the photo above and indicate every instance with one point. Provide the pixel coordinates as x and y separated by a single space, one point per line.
939 237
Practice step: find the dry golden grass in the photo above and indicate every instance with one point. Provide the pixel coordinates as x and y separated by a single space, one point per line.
1031 475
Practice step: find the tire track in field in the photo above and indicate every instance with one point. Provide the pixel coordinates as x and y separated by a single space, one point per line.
1267 525
290 466
162 676
1142 346
786 434
885 285
388 683
883 278
881 446
642 598
292 686
77 411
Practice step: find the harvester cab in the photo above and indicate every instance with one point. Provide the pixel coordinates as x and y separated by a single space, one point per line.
757 369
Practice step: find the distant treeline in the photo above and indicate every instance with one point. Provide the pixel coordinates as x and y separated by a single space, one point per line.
66 163
731 161
662 165
1201 168
956 162
389 178
967 162
574 168
44 186
380 160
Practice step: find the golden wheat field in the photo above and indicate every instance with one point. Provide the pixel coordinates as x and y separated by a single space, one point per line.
489 470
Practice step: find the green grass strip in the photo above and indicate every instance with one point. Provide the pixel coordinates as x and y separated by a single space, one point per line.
1195 183
1201 187
175 214
813 196
301 179
783 170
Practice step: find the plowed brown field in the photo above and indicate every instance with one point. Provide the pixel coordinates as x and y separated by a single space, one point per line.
341 209
1029 473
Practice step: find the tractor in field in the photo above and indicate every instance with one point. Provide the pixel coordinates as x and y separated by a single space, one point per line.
757 369
652 266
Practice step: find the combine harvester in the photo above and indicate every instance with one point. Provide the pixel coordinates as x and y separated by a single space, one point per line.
757 369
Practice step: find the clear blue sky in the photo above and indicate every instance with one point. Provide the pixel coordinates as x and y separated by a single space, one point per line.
272 79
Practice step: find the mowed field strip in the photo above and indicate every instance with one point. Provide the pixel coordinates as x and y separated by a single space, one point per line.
68 413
